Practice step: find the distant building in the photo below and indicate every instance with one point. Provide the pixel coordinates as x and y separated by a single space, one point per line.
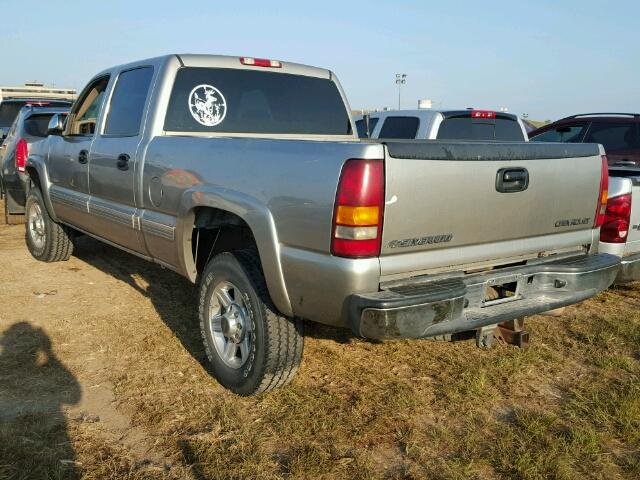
37 90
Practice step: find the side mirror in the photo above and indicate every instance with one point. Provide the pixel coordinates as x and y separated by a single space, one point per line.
56 125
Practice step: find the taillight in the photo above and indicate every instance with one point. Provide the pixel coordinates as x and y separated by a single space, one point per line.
601 207
616 220
357 218
260 62
22 152
483 114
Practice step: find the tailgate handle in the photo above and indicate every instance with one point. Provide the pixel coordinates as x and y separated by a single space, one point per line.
510 180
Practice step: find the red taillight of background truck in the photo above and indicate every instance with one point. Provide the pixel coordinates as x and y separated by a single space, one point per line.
22 152
359 208
616 220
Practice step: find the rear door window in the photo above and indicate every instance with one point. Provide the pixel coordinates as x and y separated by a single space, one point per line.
228 100
128 101
399 127
613 136
562 133
361 127
37 125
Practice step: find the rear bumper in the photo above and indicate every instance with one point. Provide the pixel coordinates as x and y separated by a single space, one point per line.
629 269
426 308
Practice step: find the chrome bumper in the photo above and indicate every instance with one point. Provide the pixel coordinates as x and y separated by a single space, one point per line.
629 269
424 308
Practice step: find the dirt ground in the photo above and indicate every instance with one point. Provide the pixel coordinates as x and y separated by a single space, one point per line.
103 375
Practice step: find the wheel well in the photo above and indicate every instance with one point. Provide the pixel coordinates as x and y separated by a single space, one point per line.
216 231
33 175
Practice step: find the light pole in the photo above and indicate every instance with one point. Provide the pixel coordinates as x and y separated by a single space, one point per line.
401 79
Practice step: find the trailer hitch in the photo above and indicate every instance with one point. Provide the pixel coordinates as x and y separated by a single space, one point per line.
511 332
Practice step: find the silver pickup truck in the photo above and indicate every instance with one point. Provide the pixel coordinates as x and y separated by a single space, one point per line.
246 176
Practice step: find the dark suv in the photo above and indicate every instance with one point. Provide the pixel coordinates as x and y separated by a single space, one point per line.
619 134
10 107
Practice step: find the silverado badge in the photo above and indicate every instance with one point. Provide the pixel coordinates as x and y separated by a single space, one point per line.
414 242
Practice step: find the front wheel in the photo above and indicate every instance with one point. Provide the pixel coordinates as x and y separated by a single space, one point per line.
251 347
47 240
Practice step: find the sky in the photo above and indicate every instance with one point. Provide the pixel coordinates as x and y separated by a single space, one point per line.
543 58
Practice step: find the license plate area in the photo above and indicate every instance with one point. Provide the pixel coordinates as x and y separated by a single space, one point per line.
501 290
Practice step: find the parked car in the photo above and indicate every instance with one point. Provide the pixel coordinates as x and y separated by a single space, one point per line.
30 126
246 175
620 232
619 133
430 124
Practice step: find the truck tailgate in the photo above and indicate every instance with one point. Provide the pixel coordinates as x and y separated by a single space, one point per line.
450 204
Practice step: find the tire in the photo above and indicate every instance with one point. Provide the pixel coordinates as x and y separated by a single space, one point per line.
47 240
262 350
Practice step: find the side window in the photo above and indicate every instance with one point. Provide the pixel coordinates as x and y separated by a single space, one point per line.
13 129
128 101
83 118
372 124
613 136
563 133
360 127
399 127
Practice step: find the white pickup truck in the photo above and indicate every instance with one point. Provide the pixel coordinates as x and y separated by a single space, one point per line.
620 232
432 124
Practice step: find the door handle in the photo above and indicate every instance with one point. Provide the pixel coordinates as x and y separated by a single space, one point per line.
123 162
83 157
510 180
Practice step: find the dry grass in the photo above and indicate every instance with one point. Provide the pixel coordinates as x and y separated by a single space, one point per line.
567 407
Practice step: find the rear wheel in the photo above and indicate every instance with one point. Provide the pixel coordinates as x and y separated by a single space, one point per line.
47 240
251 347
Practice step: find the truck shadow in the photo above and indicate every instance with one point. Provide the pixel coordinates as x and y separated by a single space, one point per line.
173 297
35 385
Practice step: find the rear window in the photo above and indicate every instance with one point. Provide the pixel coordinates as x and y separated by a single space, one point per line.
9 110
563 133
360 127
467 128
246 101
613 136
399 127
36 125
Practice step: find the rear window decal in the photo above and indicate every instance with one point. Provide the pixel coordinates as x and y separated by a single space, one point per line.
207 105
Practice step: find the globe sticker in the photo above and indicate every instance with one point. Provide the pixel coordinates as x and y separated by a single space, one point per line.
207 105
